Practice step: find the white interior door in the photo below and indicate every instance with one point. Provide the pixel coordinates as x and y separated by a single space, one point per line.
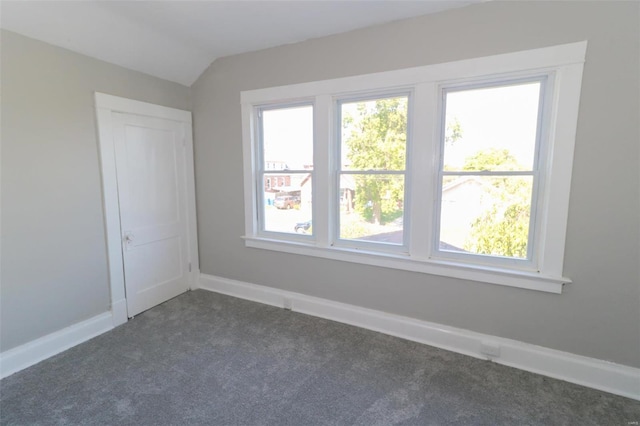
152 194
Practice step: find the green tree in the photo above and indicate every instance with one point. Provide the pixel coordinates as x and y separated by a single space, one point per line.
377 141
453 131
502 230
502 233
491 159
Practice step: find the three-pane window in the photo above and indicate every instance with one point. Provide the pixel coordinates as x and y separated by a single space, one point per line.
489 144
459 169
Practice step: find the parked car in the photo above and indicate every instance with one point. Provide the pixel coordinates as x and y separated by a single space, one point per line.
302 227
286 201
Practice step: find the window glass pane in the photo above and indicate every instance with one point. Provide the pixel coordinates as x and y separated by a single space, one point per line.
288 208
491 128
372 207
486 215
374 134
287 138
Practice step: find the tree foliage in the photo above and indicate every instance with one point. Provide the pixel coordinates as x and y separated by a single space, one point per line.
503 229
377 141
491 159
453 131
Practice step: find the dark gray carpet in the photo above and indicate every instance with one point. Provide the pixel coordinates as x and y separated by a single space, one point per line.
204 358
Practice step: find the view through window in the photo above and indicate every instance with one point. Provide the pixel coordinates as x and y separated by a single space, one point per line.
287 169
372 176
488 169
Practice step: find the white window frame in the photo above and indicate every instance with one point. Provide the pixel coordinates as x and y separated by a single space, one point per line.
546 80
406 174
563 64
261 169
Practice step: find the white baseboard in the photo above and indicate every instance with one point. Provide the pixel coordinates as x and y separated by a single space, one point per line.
31 353
119 312
594 373
194 281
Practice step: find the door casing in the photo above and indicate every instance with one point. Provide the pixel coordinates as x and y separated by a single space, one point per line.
106 105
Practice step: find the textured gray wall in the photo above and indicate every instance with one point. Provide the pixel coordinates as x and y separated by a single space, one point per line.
54 262
598 315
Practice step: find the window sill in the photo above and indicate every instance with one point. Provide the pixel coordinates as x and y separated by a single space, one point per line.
492 275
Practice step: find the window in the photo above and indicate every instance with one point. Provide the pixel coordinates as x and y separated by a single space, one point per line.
286 142
488 171
372 159
459 169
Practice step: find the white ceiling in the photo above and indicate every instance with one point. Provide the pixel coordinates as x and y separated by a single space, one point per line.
178 40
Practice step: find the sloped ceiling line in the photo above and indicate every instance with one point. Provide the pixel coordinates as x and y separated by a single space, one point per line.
178 40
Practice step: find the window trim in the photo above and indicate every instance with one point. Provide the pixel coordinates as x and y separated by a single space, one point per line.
564 62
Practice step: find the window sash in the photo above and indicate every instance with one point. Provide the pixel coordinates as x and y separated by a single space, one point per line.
367 96
488 259
373 245
540 147
261 171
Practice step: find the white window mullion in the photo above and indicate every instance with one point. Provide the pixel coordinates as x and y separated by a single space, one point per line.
423 168
249 135
323 170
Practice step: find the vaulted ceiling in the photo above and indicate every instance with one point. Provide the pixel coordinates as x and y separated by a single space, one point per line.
178 40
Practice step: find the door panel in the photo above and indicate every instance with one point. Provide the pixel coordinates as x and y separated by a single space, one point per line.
150 168
150 282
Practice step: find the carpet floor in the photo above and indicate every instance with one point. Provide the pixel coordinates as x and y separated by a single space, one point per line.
205 358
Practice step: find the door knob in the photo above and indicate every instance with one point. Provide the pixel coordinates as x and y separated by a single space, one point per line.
128 238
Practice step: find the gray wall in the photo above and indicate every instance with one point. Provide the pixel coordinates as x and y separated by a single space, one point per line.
54 262
598 315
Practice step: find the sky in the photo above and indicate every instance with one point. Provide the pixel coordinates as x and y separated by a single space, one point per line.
503 117
288 135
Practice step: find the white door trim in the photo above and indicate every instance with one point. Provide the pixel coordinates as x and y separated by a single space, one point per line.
106 105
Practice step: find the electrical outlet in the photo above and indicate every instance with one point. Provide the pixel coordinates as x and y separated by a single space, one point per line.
490 349
287 304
